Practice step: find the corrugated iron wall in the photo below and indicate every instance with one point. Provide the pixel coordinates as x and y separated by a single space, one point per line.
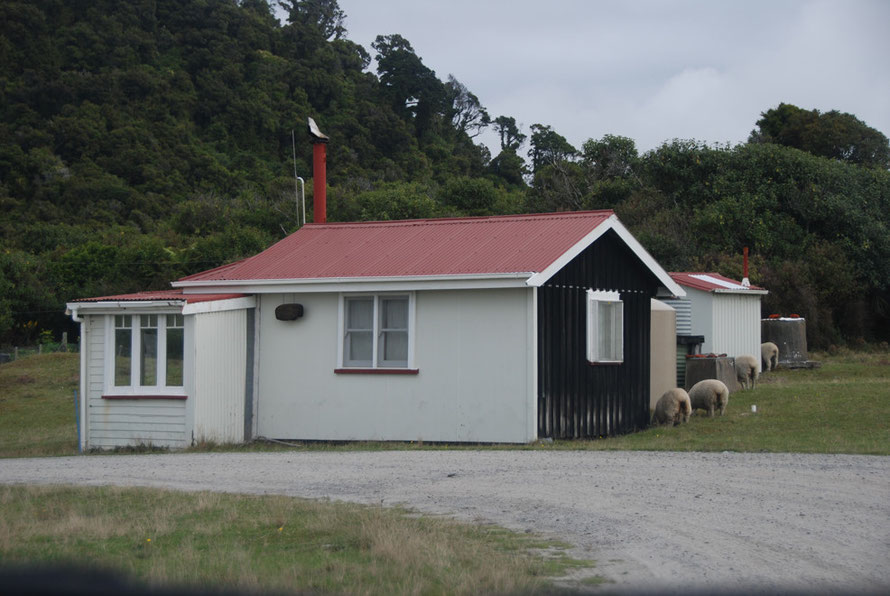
577 399
684 314
737 325
220 376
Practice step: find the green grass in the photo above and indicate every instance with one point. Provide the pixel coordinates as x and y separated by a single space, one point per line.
37 405
842 407
268 543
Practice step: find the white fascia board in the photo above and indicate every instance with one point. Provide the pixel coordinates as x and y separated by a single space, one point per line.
612 223
119 306
219 305
357 284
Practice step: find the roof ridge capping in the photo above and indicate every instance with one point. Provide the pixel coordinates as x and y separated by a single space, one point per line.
467 219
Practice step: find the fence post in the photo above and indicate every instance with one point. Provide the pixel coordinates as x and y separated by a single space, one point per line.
16 357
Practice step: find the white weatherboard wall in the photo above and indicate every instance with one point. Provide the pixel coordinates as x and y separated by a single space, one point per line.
220 370
472 350
730 322
122 422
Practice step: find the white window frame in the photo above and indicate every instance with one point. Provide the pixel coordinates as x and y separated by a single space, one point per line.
597 300
376 346
135 387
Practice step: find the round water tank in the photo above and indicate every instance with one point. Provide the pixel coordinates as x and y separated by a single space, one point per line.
789 334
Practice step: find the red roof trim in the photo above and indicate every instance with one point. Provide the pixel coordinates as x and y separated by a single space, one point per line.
162 296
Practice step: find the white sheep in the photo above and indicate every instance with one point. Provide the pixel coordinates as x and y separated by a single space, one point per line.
769 355
746 371
673 407
709 395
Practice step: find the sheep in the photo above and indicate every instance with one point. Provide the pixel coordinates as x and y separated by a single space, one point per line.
769 355
709 395
673 407
746 371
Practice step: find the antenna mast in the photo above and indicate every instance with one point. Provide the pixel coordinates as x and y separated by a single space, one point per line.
297 194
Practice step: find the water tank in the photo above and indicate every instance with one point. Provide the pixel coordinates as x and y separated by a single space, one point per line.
790 335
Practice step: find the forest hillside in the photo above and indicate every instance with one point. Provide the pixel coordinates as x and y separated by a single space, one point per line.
141 141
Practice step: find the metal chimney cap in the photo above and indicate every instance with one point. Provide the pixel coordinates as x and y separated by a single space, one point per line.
315 133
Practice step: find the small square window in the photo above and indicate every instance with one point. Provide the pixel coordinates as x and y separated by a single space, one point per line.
376 331
605 327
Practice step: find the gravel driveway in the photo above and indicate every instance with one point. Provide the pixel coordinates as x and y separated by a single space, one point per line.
653 521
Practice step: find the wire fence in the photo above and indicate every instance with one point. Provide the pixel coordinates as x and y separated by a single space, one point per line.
13 353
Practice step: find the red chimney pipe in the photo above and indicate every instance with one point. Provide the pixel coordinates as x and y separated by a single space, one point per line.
319 173
319 182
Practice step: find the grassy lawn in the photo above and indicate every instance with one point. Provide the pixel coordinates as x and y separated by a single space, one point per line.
267 543
842 407
37 405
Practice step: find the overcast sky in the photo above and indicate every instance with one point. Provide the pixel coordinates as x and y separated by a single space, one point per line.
647 69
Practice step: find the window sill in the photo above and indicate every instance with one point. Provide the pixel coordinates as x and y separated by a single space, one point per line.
376 371
158 396
606 363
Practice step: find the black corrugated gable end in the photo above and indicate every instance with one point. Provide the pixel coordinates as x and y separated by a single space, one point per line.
575 398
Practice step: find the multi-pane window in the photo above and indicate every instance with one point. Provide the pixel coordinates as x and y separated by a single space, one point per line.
123 349
174 356
156 341
393 348
148 356
605 327
376 331
359 343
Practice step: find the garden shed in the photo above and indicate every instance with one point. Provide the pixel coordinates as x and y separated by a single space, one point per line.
482 329
724 312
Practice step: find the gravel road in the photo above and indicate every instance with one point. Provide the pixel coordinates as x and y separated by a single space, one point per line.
673 522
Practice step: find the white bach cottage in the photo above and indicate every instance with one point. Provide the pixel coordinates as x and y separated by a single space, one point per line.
491 329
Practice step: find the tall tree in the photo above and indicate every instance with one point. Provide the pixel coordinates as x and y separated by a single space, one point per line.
467 114
610 157
831 134
412 88
509 133
548 147
325 15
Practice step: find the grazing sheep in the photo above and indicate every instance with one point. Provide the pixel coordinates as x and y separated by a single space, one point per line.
746 371
769 355
673 407
709 395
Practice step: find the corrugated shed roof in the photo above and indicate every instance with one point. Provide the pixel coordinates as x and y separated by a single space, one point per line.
416 248
710 282
161 295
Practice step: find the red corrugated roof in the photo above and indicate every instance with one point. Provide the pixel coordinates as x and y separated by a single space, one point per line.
161 295
416 248
709 282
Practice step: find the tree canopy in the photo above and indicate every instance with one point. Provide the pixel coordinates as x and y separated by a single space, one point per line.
831 134
142 141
